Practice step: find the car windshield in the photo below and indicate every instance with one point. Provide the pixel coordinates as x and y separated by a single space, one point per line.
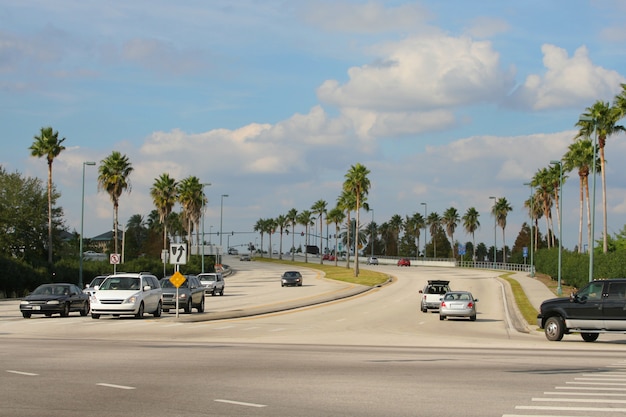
52 290
207 277
121 283
166 283
96 281
291 274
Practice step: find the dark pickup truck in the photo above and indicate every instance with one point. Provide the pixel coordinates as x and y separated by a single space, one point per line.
599 307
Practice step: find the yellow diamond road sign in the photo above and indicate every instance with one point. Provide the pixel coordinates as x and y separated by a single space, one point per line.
177 279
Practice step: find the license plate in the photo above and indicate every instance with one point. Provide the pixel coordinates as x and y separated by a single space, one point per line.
36 307
458 306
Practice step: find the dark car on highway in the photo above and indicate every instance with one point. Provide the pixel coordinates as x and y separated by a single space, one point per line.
49 299
190 294
293 278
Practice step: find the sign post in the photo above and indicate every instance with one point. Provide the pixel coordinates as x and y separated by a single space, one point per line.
178 256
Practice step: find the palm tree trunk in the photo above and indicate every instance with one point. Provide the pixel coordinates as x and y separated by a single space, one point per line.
605 247
50 213
589 237
580 224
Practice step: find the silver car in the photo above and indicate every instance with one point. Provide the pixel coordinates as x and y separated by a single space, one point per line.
458 304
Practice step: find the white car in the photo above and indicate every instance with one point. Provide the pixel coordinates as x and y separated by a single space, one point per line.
127 294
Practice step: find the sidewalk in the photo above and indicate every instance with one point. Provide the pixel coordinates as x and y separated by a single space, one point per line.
535 291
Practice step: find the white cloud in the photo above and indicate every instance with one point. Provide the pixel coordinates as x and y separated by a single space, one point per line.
567 82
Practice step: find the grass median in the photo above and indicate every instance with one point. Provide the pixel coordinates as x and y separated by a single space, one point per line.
340 273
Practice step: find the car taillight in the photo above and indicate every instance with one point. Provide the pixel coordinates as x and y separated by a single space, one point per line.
470 305
443 304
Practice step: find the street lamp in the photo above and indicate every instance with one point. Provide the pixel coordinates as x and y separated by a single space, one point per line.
559 290
206 184
425 229
593 192
82 218
532 236
495 218
221 216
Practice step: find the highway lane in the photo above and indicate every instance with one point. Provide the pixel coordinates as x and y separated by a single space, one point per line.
372 355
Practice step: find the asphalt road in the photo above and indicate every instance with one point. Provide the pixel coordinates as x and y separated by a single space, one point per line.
374 354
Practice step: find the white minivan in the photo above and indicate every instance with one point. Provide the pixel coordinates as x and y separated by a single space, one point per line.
127 294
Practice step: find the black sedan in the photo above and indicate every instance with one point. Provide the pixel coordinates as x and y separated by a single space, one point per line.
49 299
291 278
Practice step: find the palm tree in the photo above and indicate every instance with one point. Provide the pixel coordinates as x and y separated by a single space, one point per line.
358 184
556 178
191 198
336 216
450 220
347 202
305 218
434 223
542 183
48 145
417 224
292 217
395 226
319 208
270 228
113 177
603 119
501 210
471 224
282 222
164 193
579 156
259 226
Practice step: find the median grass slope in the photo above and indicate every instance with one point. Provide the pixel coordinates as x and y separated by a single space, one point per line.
340 273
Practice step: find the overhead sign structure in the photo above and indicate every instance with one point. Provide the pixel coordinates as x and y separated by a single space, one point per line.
178 253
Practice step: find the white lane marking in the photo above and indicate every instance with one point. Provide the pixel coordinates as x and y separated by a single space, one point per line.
607 410
588 394
279 329
594 388
580 400
21 373
241 403
597 383
102 384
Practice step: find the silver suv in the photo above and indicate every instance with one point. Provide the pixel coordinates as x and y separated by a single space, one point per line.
127 294
213 282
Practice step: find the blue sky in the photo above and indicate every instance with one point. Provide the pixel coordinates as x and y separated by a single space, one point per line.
445 102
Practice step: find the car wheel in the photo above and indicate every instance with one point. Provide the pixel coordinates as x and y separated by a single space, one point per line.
442 317
26 315
95 316
140 311
66 310
213 293
85 310
473 318
157 312
424 309
222 292
188 307
201 306
554 329
590 337
48 314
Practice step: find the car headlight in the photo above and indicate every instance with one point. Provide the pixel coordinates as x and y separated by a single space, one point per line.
131 300
24 302
53 302
183 296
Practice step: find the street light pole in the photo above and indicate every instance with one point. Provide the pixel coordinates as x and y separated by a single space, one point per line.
495 222
532 235
82 218
221 217
559 290
206 184
425 228
593 192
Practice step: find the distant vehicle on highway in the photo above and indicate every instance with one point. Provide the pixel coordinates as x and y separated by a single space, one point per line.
292 278
49 299
432 293
404 262
233 251
372 260
458 304
213 282
94 256
244 257
91 287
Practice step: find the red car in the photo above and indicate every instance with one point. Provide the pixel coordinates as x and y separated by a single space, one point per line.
328 257
404 262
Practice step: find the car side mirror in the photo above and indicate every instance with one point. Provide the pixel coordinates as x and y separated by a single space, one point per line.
147 288
476 300
421 292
